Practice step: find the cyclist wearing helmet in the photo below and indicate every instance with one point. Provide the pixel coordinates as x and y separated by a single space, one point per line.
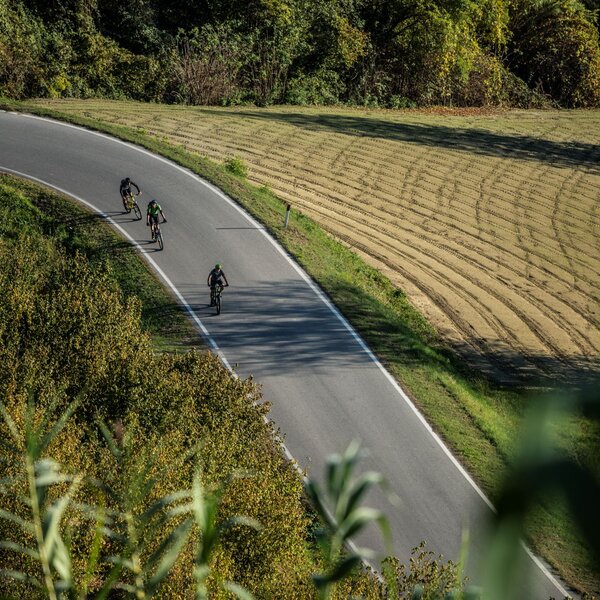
125 188
215 278
152 213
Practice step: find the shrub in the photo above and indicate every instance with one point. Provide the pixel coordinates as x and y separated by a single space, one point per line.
207 65
21 52
555 49
323 87
236 166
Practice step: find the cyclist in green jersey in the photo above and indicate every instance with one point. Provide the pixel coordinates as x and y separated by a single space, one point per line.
152 213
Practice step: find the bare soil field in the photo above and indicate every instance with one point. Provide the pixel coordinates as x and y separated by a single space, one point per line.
490 221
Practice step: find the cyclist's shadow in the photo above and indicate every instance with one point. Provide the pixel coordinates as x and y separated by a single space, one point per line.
206 309
146 246
122 218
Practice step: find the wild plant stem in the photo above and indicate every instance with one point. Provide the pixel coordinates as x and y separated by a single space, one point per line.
140 592
39 532
201 591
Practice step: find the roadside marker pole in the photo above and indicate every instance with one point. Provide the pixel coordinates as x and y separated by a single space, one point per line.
288 209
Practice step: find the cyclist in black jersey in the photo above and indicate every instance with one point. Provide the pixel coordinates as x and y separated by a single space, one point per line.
216 278
125 188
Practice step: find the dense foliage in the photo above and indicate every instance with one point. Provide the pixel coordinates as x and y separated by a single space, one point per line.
392 53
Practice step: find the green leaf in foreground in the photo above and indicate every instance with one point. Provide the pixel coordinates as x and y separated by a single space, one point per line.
339 508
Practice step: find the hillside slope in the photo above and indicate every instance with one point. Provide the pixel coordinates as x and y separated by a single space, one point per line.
478 421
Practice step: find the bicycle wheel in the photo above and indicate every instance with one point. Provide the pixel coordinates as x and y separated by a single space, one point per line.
137 211
159 239
218 303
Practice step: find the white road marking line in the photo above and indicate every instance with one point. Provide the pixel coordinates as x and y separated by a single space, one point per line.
317 291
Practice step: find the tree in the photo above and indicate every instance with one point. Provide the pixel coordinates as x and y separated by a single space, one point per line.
554 47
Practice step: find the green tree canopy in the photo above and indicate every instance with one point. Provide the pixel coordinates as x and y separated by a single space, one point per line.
376 52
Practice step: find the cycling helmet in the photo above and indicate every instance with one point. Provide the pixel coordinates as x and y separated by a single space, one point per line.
218 266
153 202
127 180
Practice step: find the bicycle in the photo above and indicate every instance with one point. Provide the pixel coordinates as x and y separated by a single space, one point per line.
130 203
216 292
157 233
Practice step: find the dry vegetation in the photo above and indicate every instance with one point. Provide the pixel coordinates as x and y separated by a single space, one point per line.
489 221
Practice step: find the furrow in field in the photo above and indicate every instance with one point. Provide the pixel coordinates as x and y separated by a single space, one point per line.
345 196
274 165
384 204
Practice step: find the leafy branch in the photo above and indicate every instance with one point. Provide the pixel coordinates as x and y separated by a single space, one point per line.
42 525
345 519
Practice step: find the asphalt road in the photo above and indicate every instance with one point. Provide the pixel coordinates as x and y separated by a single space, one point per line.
325 388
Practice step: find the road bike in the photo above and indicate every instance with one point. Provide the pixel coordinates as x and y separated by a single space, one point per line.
216 292
130 203
157 233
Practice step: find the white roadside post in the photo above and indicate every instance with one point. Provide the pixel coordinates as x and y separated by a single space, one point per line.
287 215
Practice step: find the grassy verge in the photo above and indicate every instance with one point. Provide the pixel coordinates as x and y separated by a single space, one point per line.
477 421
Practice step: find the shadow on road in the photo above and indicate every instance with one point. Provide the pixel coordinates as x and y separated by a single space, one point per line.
272 327
279 326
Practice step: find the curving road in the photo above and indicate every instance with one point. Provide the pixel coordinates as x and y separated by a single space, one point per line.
324 385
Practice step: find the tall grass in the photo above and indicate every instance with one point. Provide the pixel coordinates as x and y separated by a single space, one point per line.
340 510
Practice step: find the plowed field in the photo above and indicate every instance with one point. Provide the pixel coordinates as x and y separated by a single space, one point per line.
489 221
